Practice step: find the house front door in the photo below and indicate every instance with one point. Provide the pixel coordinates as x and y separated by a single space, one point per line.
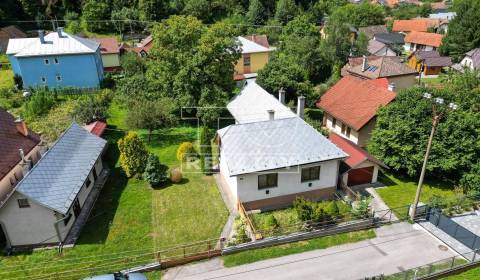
76 208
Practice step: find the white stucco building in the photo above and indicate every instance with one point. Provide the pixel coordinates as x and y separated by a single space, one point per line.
43 207
271 156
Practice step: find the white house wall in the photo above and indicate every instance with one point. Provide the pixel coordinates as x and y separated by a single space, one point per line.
289 182
230 180
25 226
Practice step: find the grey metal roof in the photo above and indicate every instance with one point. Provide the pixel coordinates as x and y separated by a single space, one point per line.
267 145
253 102
57 178
475 55
392 38
54 45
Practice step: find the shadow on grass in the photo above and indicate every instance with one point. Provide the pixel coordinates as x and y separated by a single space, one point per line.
97 228
170 183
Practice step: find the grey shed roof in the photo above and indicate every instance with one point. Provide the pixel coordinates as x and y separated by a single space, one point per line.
392 38
267 145
57 178
475 55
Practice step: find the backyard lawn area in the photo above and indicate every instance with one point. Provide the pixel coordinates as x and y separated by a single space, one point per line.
130 219
467 275
296 247
6 78
399 192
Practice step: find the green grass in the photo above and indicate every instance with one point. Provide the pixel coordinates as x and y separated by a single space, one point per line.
473 273
400 192
154 275
296 247
130 219
6 78
427 270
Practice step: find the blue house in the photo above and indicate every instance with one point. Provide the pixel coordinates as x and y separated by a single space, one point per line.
56 60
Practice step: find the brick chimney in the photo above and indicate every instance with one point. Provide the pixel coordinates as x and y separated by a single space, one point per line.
21 127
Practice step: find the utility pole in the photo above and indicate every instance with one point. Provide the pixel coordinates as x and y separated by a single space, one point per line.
435 120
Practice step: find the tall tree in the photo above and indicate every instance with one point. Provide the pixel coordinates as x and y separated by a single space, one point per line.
193 64
94 14
361 15
463 31
151 115
256 12
153 10
285 11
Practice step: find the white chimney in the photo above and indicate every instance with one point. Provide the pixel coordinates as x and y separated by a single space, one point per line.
364 64
271 115
392 87
41 36
301 106
60 31
281 95
22 154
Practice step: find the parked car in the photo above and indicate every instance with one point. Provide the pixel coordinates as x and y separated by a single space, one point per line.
119 276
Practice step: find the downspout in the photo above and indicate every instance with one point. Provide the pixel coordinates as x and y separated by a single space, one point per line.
57 230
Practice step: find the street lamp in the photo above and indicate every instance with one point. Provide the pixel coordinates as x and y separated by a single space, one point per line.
437 115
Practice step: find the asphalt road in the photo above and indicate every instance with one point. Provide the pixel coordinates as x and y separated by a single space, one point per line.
397 247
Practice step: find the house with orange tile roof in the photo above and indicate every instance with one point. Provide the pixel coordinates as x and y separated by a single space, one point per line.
350 107
420 24
422 41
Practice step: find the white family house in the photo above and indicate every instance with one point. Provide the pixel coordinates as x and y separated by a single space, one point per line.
271 155
52 201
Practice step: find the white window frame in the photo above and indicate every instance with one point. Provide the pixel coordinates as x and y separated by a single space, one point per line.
43 79
46 61
58 78
56 60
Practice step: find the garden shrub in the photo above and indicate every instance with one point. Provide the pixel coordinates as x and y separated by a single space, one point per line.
271 223
92 108
39 104
155 173
176 175
185 151
133 154
9 99
361 207
319 213
303 208
18 81
240 230
332 209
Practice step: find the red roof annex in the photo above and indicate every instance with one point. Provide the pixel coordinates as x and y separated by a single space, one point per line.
357 154
96 128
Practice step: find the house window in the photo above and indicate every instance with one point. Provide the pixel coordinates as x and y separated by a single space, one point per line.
47 62
334 122
344 128
349 130
44 80
55 60
267 181
94 171
246 61
23 203
310 173
67 219
59 78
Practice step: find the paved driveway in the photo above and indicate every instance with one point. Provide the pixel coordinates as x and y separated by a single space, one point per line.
397 247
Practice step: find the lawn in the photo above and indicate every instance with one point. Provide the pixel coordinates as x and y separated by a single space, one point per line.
130 219
296 247
400 192
473 273
6 78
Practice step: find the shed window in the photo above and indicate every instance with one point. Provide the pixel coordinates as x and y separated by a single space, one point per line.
267 181
47 62
246 61
23 203
310 173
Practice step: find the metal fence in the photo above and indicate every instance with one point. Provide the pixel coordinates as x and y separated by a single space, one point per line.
460 233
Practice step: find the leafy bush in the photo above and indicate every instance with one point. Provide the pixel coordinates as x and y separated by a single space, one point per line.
332 209
39 104
155 173
92 108
133 154
271 222
9 98
361 207
240 236
176 175
303 208
18 81
319 213
185 151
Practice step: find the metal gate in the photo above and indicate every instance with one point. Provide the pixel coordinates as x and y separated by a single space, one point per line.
453 229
